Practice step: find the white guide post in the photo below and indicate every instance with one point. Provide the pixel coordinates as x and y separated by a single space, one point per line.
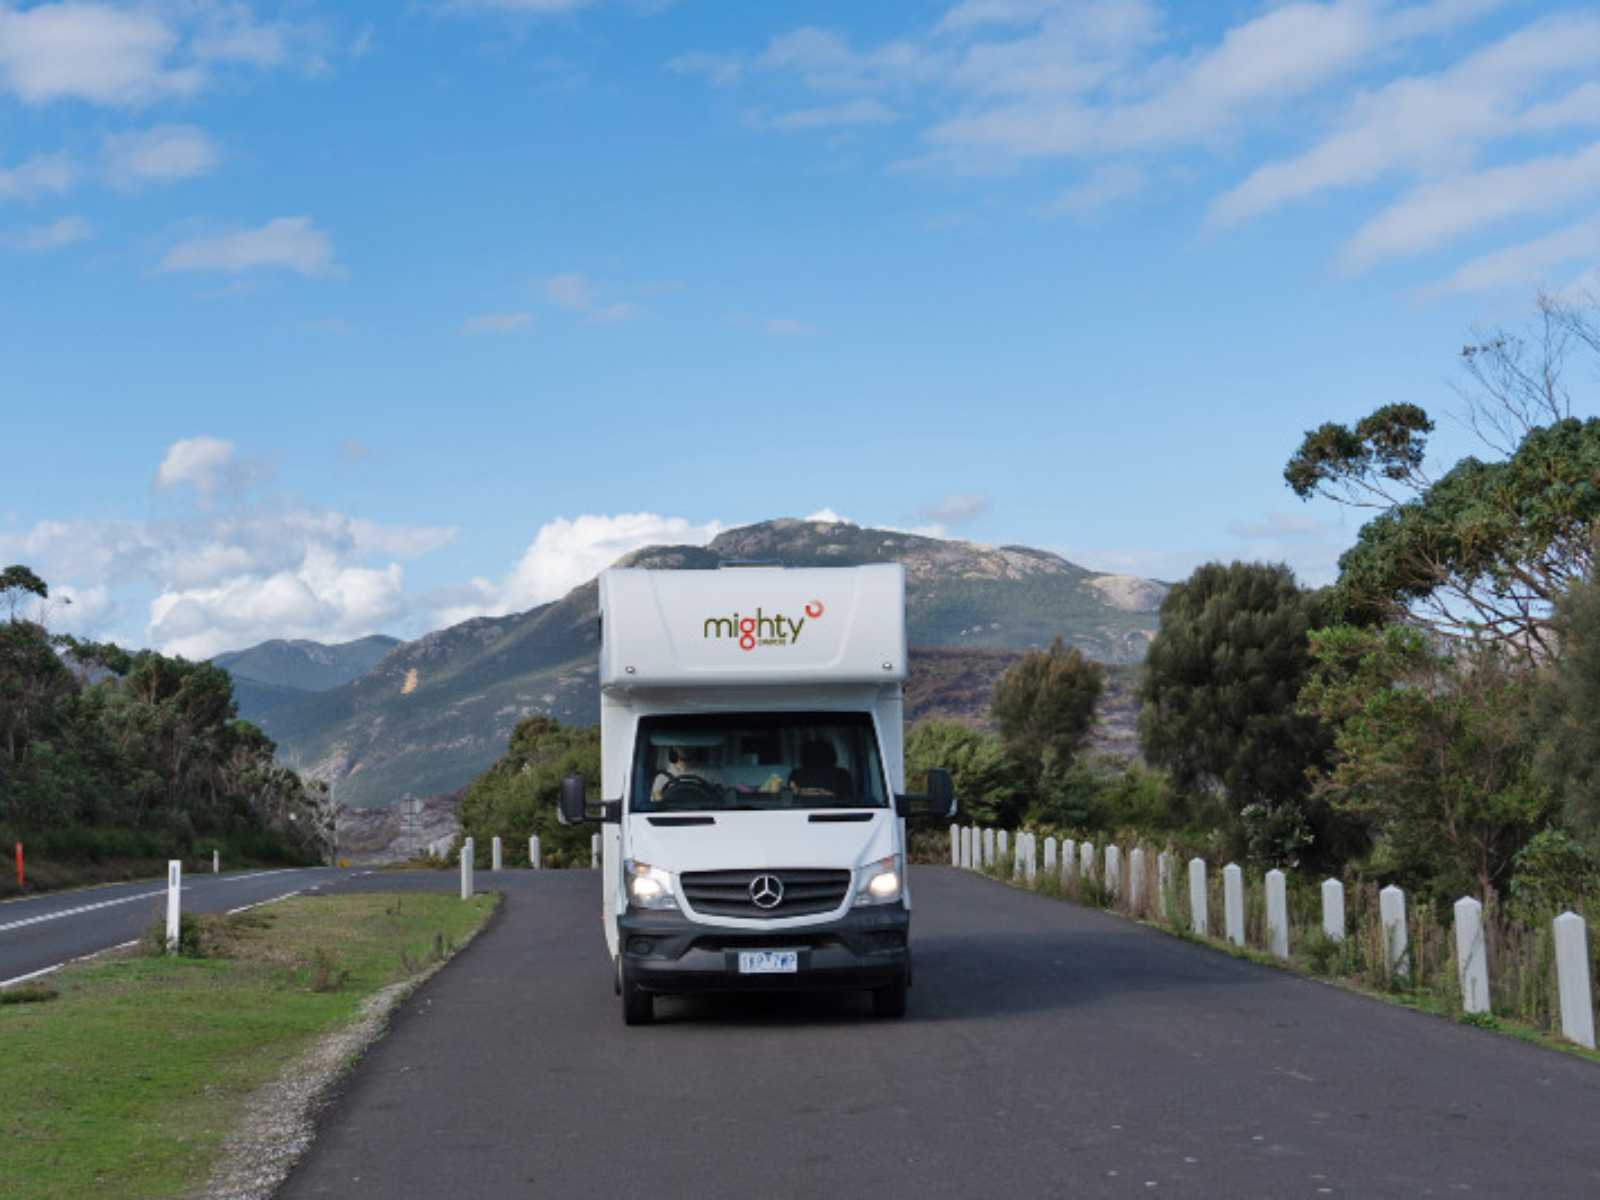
1136 880
1113 873
955 845
174 893
468 850
1050 856
1163 882
494 855
966 846
1016 855
1572 979
594 851
1471 961
1233 902
1392 913
1277 913
974 847
1069 859
1199 919
995 846
1333 909
533 852
1030 863
1086 860
216 862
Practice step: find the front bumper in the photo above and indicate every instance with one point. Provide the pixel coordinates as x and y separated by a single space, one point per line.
666 952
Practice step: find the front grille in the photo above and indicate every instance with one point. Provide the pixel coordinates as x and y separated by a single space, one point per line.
727 893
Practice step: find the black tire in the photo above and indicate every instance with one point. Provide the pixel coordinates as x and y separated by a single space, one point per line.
890 1002
616 975
638 1005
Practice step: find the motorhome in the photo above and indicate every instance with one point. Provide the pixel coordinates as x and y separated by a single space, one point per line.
753 809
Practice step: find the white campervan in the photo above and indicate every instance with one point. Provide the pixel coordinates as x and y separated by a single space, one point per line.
751 773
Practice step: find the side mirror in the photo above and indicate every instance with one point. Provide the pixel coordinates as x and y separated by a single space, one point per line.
938 801
572 805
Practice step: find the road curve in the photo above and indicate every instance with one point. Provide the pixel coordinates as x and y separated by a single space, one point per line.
1049 1050
38 932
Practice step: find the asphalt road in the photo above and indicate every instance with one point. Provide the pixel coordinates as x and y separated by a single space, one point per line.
1049 1050
44 931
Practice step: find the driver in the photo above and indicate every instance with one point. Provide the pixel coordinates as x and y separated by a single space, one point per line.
682 760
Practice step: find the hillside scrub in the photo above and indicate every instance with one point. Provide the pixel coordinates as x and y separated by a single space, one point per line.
516 797
110 755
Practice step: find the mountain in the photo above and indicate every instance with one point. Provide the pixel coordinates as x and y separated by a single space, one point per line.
435 711
272 674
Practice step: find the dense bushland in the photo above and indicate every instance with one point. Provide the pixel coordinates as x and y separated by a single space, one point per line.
110 755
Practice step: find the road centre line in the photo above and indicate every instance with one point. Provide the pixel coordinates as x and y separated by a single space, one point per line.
79 910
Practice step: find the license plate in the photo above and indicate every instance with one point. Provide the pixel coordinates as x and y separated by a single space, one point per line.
769 962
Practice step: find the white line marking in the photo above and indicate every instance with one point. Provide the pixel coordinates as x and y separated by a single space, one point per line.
86 908
5 983
258 904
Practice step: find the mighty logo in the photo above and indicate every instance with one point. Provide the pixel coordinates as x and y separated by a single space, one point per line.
762 630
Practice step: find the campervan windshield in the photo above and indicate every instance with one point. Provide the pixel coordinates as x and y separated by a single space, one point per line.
741 761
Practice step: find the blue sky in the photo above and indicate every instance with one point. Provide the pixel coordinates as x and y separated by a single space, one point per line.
319 320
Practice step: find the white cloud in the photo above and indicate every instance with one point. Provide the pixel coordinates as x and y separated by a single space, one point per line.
222 579
229 33
1525 263
1435 213
89 51
40 175
321 599
497 322
203 462
829 516
534 7
41 238
565 553
288 243
159 155
578 293
1433 122
1105 185
956 508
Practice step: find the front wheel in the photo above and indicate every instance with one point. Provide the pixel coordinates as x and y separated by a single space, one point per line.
890 1001
638 1005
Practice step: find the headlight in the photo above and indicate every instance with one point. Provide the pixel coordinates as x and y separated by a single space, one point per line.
648 887
879 882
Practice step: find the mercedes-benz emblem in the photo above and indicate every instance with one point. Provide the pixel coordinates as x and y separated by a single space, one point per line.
766 891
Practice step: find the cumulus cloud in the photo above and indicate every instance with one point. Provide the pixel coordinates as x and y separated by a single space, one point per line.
94 52
957 508
828 516
40 175
53 236
287 243
204 462
163 154
566 552
578 293
866 111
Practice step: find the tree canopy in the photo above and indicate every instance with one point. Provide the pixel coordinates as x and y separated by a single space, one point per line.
1217 702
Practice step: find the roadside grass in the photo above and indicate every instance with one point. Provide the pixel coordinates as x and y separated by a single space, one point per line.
125 1079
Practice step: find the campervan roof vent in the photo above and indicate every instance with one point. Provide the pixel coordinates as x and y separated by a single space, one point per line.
749 562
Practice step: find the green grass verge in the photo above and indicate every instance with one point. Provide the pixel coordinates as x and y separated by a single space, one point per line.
127 1080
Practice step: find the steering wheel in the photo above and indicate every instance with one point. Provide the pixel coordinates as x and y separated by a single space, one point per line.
689 781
